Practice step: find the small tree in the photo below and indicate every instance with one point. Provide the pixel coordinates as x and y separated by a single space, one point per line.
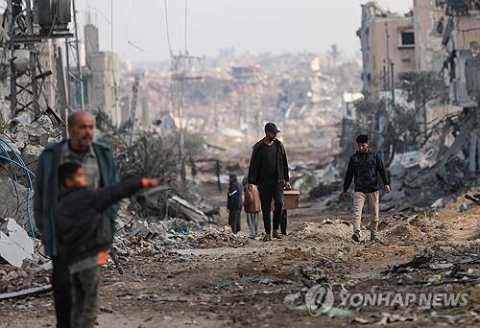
406 124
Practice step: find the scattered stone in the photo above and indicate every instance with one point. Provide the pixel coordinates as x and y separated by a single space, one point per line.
292 299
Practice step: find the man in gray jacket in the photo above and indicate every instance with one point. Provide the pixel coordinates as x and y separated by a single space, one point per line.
99 165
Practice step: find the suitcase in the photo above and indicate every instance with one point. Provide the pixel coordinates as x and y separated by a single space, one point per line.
291 200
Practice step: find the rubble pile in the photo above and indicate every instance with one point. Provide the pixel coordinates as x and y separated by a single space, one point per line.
316 179
163 220
174 233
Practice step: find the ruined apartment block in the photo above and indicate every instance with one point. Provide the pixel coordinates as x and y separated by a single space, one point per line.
393 44
461 39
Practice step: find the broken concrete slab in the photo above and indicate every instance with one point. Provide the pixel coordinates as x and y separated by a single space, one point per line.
438 203
14 200
30 156
15 244
189 211
39 131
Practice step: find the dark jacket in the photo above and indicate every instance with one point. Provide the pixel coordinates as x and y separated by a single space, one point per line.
82 224
47 188
255 163
235 198
365 168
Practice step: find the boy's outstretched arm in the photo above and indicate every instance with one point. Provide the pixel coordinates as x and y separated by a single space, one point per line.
104 198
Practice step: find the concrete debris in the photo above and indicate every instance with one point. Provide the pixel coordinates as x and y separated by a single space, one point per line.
14 203
269 281
340 313
438 203
292 299
15 244
30 156
145 232
214 238
317 179
37 133
391 318
455 319
187 210
40 130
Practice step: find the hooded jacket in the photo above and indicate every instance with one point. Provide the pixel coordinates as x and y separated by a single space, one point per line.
234 200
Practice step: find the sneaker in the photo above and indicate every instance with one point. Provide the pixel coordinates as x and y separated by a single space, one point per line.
375 238
267 237
356 236
276 234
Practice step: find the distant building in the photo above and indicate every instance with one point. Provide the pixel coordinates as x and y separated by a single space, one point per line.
102 84
226 53
399 44
349 99
462 40
245 73
101 79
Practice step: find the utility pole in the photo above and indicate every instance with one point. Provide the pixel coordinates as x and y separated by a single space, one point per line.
27 76
73 60
13 85
24 96
393 88
133 108
181 74
33 61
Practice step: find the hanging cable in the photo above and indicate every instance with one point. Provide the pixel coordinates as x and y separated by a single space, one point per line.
168 29
18 161
186 25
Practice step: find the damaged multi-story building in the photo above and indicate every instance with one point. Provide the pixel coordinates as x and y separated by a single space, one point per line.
393 44
101 79
462 41
395 48
462 63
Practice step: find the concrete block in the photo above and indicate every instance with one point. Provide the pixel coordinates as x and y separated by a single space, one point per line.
15 244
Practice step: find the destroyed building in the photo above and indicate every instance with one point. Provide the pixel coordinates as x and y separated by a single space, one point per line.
461 38
394 44
398 50
101 79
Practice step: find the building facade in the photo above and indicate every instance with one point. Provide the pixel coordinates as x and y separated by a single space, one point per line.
393 45
462 41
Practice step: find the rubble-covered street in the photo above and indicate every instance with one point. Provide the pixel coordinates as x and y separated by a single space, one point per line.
212 278
203 113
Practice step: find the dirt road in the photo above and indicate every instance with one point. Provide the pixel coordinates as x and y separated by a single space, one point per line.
264 284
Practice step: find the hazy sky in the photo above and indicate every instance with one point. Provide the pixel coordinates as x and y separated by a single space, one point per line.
248 25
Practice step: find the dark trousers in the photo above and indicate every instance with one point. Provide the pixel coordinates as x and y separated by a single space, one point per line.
267 193
234 220
283 222
61 292
85 287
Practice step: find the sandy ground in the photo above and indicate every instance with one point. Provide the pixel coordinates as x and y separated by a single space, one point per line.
246 286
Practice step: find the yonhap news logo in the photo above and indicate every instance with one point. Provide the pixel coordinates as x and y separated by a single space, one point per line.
320 299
